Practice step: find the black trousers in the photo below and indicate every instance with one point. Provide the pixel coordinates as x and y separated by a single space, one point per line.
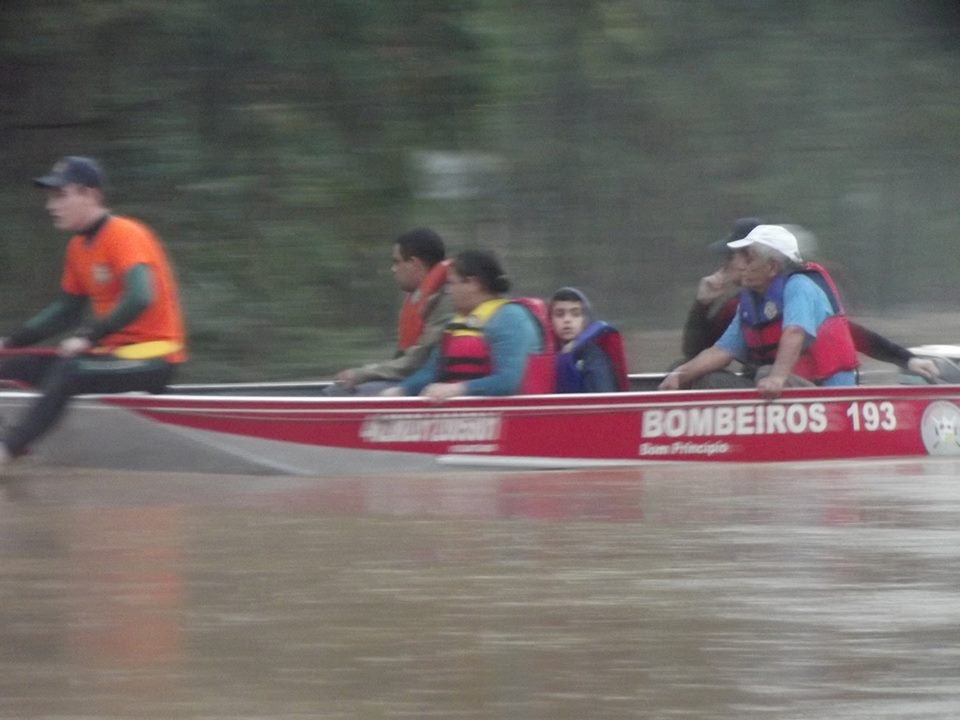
59 379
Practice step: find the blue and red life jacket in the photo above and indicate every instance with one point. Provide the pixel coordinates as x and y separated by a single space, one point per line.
465 354
761 320
570 377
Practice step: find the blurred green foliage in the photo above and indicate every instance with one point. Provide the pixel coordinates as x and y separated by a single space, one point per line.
279 147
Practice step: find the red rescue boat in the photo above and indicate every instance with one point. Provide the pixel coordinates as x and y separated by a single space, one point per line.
293 428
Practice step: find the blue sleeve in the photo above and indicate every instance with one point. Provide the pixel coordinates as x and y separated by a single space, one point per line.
732 339
427 374
512 335
805 305
598 373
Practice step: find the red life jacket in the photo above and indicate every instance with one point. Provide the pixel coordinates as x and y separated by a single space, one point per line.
411 322
465 355
540 376
832 350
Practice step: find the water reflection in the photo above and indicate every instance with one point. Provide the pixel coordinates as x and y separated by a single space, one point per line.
708 592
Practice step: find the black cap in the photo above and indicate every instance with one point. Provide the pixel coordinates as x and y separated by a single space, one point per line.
72 170
741 228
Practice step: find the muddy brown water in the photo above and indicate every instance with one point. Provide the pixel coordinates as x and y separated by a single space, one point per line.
827 590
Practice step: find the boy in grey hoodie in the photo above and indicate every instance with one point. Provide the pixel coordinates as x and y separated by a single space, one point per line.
590 356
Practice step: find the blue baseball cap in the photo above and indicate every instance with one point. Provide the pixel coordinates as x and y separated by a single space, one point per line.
72 170
741 228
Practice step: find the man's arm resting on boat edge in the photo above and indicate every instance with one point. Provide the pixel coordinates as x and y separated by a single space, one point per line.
414 357
792 342
880 348
711 359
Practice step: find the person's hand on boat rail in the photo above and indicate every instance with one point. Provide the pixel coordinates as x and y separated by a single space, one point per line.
347 379
442 391
771 387
671 381
75 345
437 392
924 367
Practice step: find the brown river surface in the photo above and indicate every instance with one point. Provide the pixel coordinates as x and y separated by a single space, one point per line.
794 591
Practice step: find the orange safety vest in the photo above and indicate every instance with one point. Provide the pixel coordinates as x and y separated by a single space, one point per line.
95 269
412 321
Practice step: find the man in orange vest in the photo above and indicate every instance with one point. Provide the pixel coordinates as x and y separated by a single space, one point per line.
420 270
116 267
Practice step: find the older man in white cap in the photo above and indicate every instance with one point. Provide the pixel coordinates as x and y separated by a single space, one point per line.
789 330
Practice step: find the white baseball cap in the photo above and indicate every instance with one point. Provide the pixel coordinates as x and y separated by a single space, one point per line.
773 236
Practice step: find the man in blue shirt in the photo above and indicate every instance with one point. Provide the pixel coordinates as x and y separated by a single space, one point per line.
787 325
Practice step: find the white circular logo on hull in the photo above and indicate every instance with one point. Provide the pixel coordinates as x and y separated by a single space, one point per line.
940 428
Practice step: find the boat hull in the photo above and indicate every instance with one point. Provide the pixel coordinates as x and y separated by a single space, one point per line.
97 434
304 434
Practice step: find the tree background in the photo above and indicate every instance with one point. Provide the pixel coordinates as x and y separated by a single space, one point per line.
279 147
